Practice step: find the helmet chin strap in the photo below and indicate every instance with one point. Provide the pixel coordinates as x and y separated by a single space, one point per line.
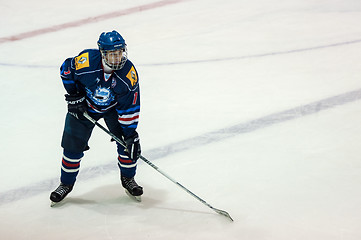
107 69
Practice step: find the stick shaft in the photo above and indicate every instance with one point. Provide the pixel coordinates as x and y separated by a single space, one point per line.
222 212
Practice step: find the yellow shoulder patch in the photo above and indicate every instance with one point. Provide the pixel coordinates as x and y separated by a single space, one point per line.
132 76
82 61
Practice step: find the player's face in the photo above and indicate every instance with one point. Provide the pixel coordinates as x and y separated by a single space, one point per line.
114 57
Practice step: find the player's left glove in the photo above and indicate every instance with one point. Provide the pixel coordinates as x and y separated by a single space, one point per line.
133 146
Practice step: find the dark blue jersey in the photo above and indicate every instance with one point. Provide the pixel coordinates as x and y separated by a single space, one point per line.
119 90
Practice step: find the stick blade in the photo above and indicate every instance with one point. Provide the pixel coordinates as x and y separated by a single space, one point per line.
223 213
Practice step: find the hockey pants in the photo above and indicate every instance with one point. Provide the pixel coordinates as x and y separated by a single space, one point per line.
76 135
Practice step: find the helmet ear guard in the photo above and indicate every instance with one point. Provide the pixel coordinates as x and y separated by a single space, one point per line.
110 42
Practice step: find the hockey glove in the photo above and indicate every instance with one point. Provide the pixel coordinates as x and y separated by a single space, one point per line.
76 105
133 146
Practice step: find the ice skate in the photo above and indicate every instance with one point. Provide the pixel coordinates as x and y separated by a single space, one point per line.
132 188
60 193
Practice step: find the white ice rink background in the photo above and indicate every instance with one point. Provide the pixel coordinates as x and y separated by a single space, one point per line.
253 105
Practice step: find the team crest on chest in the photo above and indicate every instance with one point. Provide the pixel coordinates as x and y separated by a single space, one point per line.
101 96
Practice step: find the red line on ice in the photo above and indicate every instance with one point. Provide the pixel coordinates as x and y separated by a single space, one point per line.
89 20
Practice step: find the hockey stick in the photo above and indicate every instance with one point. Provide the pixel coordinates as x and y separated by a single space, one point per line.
219 211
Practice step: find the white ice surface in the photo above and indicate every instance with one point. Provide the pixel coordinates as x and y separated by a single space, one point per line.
259 76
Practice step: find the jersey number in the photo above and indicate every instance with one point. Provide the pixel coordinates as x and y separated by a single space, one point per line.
135 98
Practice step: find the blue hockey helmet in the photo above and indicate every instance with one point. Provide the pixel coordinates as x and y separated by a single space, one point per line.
113 49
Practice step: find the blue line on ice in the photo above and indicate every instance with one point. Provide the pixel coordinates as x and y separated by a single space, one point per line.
210 137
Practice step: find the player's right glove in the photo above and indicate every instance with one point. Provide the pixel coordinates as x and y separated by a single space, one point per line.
76 105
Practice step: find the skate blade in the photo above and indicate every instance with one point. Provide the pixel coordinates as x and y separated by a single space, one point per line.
55 204
136 198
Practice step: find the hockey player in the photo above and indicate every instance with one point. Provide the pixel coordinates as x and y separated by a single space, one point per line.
104 83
